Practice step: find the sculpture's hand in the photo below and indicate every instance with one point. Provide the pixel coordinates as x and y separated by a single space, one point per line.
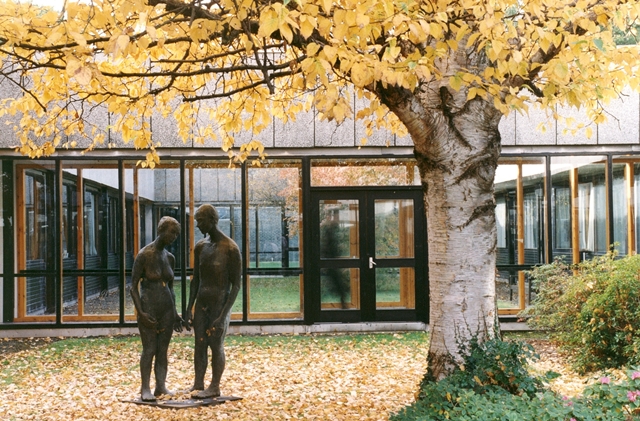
147 320
188 321
216 329
177 323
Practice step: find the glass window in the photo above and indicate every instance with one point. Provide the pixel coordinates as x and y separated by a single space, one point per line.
583 177
274 215
519 190
506 205
510 284
533 187
39 242
2 222
394 229
562 217
592 210
274 286
339 233
636 204
101 231
210 182
619 198
364 172
501 221
532 219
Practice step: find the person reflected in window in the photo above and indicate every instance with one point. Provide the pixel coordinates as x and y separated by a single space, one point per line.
155 303
330 249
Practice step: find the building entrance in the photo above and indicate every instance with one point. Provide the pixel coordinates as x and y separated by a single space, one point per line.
367 256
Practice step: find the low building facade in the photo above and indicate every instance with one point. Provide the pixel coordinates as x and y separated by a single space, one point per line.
332 229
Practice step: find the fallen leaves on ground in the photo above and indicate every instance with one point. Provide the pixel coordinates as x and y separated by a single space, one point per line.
364 377
569 383
324 377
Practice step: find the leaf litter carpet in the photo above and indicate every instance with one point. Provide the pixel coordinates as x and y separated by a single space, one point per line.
281 378
356 377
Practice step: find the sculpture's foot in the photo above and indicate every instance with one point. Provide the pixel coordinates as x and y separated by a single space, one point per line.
162 391
147 396
209 392
195 388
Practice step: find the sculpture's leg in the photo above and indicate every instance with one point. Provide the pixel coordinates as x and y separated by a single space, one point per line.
200 352
149 344
218 361
162 363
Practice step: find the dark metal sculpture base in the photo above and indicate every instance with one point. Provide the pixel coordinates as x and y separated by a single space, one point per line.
185 403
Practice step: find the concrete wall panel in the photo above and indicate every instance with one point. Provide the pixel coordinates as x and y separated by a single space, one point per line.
622 125
528 128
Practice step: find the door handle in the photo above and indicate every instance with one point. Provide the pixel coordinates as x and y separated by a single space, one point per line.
371 263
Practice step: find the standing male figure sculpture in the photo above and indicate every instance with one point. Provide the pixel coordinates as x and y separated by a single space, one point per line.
155 302
214 288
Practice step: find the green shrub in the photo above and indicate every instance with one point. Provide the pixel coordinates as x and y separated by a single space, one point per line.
591 309
496 363
494 384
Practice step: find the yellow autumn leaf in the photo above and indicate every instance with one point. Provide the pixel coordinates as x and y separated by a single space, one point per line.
78 38
269 23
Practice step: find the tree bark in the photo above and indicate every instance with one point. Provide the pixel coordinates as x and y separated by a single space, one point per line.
456 145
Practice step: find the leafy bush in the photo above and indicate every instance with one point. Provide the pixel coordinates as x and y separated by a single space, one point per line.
494 384
591 309
496 363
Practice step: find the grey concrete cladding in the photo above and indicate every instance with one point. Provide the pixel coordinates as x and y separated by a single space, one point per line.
308 131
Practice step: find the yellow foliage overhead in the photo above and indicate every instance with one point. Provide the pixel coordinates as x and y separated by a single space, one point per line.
137 58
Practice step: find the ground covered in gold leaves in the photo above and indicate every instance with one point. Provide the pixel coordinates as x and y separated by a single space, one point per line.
332 377
360 377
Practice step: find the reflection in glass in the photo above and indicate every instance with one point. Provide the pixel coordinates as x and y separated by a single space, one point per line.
395 288
394 228
213 182
561 212
619 198
39 241
636 204
339 233
508 289
529 229
2 219
274 216
506 211
501 221
274 229
533 178
520 224
340 288
356 172
69 236
592 210
274 294
102 240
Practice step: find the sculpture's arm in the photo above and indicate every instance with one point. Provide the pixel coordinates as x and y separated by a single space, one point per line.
136 277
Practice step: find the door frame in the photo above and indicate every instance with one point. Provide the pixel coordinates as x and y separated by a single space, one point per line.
367 312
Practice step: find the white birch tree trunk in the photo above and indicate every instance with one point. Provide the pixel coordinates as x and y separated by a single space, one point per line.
457 146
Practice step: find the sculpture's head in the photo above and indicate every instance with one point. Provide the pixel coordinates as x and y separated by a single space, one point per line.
168 224
208 212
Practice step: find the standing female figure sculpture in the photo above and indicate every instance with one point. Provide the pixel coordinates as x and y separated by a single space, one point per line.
155 303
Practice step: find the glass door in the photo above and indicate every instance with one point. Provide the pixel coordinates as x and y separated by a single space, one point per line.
367 258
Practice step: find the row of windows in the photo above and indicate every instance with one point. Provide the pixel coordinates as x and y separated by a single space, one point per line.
104 205
592 202
572 206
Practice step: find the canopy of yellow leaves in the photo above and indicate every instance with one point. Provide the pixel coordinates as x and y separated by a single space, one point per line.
175 58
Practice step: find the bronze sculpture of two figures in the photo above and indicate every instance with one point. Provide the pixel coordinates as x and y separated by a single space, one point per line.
214 288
